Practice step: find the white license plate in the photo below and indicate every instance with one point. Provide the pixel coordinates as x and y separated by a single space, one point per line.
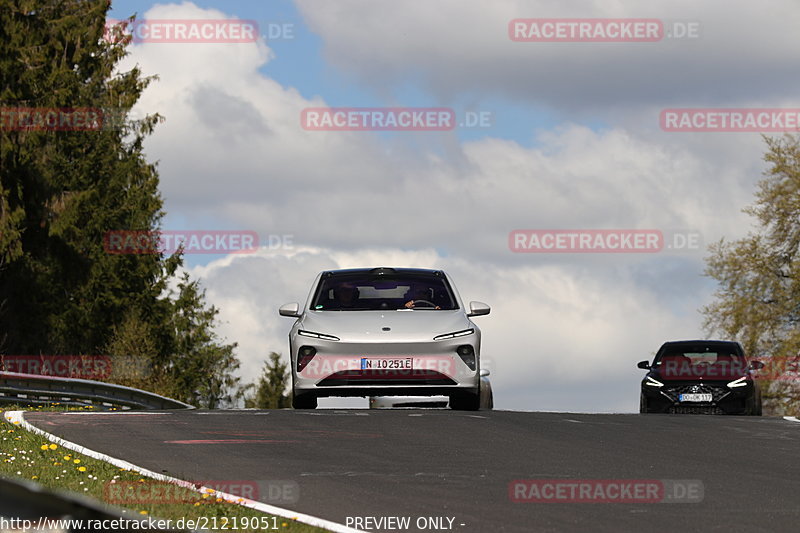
706 397
391 363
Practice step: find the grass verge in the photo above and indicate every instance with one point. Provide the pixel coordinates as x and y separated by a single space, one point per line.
29 456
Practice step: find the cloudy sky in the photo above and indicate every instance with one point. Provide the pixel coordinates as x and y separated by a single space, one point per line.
569 139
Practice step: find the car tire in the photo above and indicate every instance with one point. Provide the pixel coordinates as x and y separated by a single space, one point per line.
758 404
304 401
754 409
467 401
642 404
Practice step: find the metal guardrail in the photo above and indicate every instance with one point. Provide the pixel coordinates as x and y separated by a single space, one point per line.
31 389
25 500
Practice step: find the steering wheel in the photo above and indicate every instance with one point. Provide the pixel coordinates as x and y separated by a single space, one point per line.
430 304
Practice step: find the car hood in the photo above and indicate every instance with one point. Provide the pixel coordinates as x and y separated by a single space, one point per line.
412 325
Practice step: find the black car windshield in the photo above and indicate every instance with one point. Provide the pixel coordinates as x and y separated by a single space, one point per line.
378 292
701 356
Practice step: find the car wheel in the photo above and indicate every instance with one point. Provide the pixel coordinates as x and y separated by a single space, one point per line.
304 401
758 403
754 408
642 404
465 401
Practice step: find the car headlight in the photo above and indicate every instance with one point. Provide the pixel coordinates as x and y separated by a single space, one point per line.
653 382
462 333
323 336
741 382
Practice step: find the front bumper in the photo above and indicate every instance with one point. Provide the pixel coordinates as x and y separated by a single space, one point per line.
337 368
724 400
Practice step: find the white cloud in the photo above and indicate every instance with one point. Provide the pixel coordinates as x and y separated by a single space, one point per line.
565 331
454 47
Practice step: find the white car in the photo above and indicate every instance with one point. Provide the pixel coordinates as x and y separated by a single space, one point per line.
385 332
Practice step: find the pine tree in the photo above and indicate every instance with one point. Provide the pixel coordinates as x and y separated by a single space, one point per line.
61 293
271 387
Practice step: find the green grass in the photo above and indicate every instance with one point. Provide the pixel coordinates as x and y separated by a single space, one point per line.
29 456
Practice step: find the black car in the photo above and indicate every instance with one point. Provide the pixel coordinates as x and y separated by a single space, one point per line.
701 377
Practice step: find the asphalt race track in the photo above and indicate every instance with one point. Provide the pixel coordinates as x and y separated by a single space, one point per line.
459 465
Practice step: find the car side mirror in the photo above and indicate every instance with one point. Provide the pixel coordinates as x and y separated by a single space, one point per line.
290 310
478 309
644 365
756 365
485 372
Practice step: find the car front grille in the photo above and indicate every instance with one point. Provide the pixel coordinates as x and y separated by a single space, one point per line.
717 392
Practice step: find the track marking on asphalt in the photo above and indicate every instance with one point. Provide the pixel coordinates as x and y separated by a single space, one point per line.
791 418
17 418
475 416
335 413
116 413
228 412
230 441
571 420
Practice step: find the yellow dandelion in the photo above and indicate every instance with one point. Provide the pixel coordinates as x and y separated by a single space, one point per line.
34 477
43 447
53 446
81 469
196 504
76 461
142 512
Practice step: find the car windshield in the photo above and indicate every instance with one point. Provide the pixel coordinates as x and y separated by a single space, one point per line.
378 292
699 356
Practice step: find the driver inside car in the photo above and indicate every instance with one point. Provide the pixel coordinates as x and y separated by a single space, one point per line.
346 295
420 296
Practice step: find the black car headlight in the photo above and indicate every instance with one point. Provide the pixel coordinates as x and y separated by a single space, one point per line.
652 382
741 382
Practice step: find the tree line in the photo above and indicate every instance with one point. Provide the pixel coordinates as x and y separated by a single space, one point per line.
62 188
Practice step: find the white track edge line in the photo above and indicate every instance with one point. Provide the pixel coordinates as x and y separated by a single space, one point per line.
791 418
17 418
